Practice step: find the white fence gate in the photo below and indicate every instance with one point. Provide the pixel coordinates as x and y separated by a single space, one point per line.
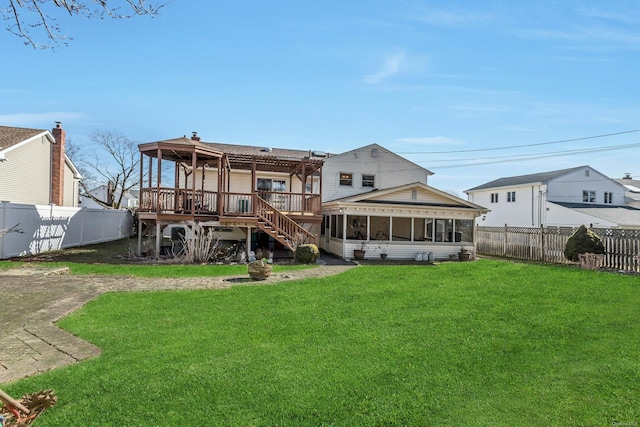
45 228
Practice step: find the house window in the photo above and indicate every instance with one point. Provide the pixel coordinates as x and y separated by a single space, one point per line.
356 227
588 196
608 197
380 227
464 230
511 196
419 230
586 172
336 226
368 180
401 229
444 230
414 194
346 178
494 197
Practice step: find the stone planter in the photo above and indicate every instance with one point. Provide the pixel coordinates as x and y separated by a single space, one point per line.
259 270
464 256
358 254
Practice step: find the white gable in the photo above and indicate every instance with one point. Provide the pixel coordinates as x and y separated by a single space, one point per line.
369 167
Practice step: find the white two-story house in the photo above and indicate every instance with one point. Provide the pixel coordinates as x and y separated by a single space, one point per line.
564 198
375 200
34 168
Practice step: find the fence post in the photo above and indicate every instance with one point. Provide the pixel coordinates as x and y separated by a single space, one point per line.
3 225
504 246
542 249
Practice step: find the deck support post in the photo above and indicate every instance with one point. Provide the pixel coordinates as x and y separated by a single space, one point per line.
139 237
248 241
158 239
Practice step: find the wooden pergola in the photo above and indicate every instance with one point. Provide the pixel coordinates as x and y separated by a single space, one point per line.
189 200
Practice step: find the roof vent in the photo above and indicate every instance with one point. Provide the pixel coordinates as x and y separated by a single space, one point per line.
374 152
627 175
319 154
266 149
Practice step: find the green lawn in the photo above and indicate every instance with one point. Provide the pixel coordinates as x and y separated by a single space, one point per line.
471 344
109 258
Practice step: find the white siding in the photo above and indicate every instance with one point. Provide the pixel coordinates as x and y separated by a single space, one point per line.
568 188
25 175
525 211
405 196
70 188
531 208
239 181
388 169
559 216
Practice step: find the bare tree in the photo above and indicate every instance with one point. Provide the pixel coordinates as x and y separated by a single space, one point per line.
120 169
35 19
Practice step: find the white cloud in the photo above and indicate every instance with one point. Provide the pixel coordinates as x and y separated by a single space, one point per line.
39 120
393 64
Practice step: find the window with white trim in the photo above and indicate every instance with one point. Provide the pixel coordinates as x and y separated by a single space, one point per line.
608 197
494 197
511 196
346 178
588 196
368 180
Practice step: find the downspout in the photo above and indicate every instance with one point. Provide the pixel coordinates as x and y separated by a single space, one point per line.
533 203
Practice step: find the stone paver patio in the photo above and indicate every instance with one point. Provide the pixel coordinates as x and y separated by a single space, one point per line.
32 300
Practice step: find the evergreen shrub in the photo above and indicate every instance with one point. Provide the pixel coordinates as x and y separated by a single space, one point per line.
307 254
581 242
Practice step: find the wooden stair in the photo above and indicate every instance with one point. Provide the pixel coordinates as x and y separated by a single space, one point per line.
279 226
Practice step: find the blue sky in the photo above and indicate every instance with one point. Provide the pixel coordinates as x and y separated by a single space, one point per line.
429 80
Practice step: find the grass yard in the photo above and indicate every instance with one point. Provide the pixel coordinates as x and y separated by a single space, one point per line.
471 344
109 258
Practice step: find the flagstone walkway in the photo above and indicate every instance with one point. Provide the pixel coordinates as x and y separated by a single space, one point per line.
32 300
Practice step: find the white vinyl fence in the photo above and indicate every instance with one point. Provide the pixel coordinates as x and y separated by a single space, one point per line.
42 228
622 246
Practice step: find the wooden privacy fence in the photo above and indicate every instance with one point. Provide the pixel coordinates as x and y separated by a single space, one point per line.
546 244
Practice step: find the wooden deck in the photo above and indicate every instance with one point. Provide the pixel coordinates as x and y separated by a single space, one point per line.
171 204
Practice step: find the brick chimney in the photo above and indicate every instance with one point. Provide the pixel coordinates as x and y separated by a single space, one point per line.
57 165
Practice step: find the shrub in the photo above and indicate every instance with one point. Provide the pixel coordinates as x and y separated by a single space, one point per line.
307 254
581 242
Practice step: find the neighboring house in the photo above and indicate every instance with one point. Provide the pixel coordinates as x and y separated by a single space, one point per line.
567 197
107 197
34 168
379 201
631 190
268 197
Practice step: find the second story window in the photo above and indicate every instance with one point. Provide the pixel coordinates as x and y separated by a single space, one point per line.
608 197
588 196
368 180
346 179
494 197
511 196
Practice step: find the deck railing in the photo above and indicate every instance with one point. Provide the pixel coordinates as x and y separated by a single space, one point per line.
185 201
178 201
285 226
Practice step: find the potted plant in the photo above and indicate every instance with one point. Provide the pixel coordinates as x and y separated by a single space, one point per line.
382 246
259 269
359 253
464 254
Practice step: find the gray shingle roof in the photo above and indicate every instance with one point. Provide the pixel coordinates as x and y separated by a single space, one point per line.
281 153
542 177
10 136
624 216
